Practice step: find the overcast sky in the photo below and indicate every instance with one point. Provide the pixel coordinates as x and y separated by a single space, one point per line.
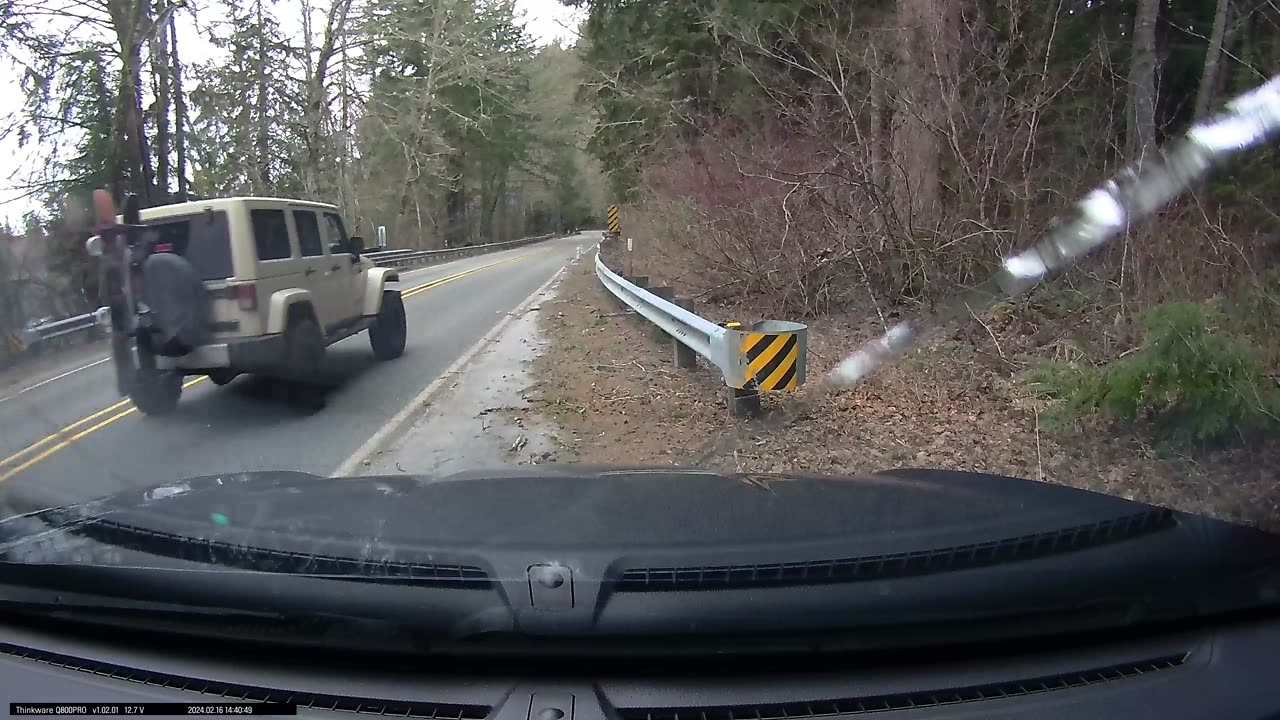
547 21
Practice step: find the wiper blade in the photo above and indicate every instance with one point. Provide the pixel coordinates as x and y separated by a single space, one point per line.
223 623
90 523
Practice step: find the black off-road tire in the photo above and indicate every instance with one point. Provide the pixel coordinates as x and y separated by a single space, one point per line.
156 392
304 350
223 377
389 331
125 366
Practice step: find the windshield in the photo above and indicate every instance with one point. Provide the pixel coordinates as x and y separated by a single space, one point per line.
549 292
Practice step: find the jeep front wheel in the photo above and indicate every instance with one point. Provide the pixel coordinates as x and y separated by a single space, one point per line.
156 392
389 330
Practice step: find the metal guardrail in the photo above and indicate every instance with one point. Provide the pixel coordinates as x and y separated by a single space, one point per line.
768 355
91 324
400 258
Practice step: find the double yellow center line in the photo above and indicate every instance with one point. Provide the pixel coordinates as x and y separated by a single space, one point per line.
440 281
46 446
63 439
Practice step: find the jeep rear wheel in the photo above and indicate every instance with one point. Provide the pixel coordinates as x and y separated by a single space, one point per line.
156 392
389 331
304 350
222 376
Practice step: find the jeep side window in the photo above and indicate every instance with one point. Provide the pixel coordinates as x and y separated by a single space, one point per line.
308 233
337 234
270 234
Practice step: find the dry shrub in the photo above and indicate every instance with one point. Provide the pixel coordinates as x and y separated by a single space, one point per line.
808 207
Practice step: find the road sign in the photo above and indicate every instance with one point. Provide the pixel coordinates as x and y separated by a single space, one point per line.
382 236
614 225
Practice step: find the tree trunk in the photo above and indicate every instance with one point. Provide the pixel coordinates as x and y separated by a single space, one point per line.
160 71
314 136
179 115
926 61
1209 75
128 171
1141 136
262 135
456 204
310 181
878 138
497 186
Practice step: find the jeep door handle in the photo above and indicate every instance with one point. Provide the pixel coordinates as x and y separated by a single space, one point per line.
309 271
336 268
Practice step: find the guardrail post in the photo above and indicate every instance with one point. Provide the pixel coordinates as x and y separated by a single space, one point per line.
742 402
666 293
685 357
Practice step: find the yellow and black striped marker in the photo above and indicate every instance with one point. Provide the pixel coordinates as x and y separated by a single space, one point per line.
771 359
614 225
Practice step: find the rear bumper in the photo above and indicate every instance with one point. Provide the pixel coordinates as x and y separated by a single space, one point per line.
255 354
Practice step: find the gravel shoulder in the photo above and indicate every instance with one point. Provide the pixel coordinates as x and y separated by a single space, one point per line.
482 417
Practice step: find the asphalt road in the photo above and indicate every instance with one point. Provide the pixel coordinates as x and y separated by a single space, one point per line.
73 439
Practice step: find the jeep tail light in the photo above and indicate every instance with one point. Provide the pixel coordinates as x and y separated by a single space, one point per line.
247 294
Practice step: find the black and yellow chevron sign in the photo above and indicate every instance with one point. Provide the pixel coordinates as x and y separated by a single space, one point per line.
614 225
14 342
771 359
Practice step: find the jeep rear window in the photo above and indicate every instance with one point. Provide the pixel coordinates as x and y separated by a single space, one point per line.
202 239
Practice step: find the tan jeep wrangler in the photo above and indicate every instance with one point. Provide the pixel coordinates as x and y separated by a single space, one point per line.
243 285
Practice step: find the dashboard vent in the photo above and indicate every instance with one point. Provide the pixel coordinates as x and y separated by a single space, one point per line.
912 700
253 693
246 557
897 565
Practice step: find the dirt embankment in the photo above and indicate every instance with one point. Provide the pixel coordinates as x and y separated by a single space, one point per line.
955 404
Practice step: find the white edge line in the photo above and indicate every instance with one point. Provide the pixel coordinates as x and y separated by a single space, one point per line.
42 383
380 438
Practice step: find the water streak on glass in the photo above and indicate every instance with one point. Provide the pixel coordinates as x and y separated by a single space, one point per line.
1132 195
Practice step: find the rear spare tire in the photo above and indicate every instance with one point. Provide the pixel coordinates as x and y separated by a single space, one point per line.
179 303
156 392
389 331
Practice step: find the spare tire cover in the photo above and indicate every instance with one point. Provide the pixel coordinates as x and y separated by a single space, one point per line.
178 301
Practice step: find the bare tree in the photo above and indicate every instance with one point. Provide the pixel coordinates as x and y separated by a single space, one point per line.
1209 75
162 81
926 66
134 25
179 114
318 61
1141 134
